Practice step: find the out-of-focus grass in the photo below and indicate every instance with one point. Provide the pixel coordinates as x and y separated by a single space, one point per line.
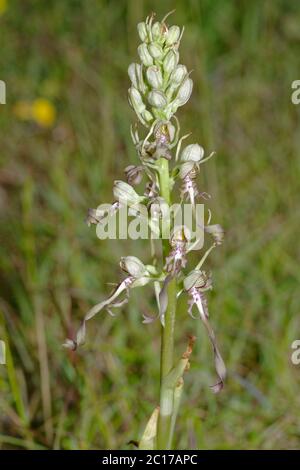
75 55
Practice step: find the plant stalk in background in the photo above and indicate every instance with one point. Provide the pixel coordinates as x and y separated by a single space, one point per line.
159 86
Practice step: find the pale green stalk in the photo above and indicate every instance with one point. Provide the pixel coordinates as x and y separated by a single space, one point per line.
164 437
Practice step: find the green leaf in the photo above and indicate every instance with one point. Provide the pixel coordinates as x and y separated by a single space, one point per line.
148 439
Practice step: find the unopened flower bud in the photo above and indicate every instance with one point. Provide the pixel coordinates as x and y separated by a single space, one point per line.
133 74
155 50
125 194
170 61
192 153
184 92
136 76
172 35
178 75
142 30
157 99
133 266
154 77
156 31
136 100
147 115
144 55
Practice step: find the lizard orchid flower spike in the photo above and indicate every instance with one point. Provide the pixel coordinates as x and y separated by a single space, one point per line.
159 85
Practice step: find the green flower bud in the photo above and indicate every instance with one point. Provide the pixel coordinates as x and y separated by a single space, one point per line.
133 74
172 35
125 194
154 77
147 115
144 55
178 75
169 109
156 50
142 30
170 61
136 100
184 92
192 153
133 266
140 79
157 99
156 31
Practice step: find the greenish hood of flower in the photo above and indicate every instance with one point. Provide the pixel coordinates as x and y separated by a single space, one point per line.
125 194
192 153
133 266
185 169
159 83
190 158
196 278
136 268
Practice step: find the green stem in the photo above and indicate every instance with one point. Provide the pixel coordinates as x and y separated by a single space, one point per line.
165 425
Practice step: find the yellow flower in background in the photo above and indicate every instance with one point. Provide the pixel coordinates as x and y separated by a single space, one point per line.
43 112
3 6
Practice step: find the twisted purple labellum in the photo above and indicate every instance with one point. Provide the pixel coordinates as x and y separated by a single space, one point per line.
198 298
177 258
106 304
189 187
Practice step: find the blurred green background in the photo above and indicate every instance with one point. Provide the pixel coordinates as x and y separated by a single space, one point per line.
64 139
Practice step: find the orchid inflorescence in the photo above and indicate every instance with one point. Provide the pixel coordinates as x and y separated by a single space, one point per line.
159 86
